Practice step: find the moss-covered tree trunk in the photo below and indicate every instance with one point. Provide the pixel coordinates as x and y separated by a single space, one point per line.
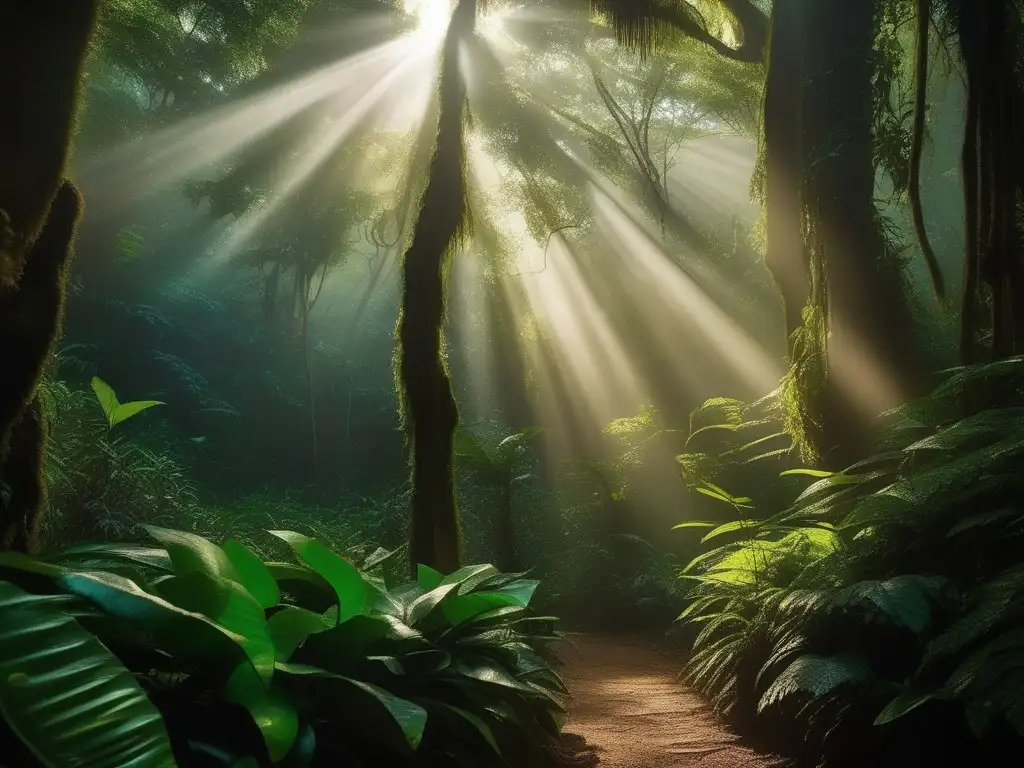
44 45
784 162
428 403
874 359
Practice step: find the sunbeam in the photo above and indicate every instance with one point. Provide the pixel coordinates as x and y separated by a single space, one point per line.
432 17
326 141
170 155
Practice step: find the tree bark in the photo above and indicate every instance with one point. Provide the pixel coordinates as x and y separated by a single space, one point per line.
429 409
874 361
40 69
785 255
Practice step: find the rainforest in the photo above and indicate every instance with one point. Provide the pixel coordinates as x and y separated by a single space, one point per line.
511 383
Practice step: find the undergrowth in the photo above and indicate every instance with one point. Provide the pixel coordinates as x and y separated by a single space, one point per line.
878 618
193 654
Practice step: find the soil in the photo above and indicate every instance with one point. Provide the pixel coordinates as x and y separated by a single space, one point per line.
630 710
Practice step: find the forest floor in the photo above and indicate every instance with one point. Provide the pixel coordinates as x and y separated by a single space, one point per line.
629 710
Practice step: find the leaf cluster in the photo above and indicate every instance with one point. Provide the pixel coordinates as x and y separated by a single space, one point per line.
213 655
890 588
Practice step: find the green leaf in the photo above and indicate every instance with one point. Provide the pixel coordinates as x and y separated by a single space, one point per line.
152 557
344 578
115 411
284 572
253 574
271 710
462 608
478 724
808 472
67 697
289 627
427 577
901 705
190 553
885 505
731 527
462 580
713 494
178 631
230 605
905 600
817 676
693 524
342 648
522 590
984 518
410 718
379 557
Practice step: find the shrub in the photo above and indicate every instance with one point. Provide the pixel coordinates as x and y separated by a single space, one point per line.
888 598
196 654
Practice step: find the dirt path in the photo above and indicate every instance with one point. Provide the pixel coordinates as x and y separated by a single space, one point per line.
633 713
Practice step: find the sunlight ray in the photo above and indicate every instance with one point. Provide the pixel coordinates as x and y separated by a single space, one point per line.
170 155
592 358
320 146
652 269
471 325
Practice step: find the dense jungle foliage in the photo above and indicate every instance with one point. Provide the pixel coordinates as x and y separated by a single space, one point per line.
700 318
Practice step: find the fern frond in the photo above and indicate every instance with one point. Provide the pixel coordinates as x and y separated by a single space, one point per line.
817 676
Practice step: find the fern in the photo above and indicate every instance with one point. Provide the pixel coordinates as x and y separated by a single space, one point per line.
919 541
817 676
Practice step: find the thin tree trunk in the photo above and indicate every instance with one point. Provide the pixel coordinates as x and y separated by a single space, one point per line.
429 408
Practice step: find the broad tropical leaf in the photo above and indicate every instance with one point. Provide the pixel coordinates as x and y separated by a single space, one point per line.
67 697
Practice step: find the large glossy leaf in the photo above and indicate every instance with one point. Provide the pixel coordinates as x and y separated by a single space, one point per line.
190 553
153 557
520 590
344 578
231 606
184 633
67 697
410 718
289 628
902 705
428 578
291 572
462 608
253 574
478 723
271 710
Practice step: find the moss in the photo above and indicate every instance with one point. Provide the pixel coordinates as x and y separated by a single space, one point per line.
40 70
30 318
429 411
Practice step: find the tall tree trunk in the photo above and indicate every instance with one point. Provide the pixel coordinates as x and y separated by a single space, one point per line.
992 177
428 403
785 255
40 67
873 359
